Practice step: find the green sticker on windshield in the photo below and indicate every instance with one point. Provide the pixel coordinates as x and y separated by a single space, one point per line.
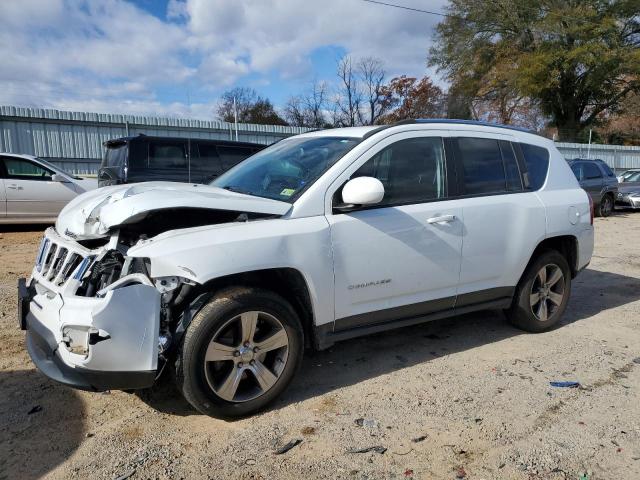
287 192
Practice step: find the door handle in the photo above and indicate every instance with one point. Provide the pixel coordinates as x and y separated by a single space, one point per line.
13 186
441 219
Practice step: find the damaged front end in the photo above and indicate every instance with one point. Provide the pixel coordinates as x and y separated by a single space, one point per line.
95 320
95 317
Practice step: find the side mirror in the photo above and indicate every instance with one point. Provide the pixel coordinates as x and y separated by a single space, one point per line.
56 177
363 191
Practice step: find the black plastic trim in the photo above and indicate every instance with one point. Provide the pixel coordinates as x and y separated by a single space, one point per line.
43 349
394 314
388 319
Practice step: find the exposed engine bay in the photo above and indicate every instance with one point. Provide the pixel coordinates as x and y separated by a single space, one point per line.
111 268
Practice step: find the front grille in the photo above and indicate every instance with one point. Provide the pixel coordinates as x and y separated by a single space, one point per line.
56 263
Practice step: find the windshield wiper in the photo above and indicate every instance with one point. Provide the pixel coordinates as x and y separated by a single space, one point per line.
233 188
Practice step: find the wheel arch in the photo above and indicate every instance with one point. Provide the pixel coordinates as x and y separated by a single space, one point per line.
566 245
287 282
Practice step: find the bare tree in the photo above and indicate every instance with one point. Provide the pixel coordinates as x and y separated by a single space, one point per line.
372 75
245 99
308 109
294 111
349 95
315 102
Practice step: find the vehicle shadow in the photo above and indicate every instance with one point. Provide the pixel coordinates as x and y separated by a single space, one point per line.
26 227
41 424
354 361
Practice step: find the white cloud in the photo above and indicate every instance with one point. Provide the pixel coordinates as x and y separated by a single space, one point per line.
113 56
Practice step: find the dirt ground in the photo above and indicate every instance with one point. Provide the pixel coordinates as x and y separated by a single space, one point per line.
463 398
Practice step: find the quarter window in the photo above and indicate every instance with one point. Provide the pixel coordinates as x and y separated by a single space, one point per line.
412 171
482 166
537 161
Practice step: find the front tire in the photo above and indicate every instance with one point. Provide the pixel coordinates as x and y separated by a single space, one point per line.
542 294
606 206
239 353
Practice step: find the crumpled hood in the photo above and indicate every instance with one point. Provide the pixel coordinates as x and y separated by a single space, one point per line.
93 213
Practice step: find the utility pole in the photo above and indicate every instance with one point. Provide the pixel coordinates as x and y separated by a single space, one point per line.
235 116
589 147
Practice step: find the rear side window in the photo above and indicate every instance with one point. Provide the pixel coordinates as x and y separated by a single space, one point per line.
231 156
167 155
537 161
482 166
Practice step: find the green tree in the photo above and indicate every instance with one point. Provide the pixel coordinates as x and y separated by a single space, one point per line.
575 59
251 107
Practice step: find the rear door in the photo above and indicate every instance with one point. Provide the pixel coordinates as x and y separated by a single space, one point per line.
31 192
500 217
592 180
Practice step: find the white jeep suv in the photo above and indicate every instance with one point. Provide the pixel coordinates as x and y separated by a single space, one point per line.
319 238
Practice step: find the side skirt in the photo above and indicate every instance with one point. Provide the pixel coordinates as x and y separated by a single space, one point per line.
352 327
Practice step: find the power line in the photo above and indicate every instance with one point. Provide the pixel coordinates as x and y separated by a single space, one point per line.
448 15
419 10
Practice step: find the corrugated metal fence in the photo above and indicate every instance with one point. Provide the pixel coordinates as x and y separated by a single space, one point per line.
617 157
73 140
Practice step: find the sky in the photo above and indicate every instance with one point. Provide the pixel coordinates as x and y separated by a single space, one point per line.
175 57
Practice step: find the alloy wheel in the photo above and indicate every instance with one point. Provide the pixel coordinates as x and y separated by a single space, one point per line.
246 356
547 292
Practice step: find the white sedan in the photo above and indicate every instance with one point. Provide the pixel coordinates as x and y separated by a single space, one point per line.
33 190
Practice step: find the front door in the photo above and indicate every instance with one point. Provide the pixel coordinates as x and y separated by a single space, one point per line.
31 192
401 258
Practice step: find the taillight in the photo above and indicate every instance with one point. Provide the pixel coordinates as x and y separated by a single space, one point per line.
591 207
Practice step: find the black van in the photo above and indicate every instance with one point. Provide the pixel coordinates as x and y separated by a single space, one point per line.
145 159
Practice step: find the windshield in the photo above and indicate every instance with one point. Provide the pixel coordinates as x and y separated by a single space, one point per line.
633 177
285 169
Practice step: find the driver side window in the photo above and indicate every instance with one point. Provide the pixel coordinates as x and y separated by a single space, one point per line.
20 169
411 170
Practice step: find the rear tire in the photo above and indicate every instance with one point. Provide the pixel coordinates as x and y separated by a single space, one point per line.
239 353
543 293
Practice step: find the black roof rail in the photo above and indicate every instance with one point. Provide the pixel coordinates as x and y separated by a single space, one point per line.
452 121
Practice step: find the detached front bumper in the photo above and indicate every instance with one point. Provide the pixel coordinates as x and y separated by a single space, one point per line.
117 334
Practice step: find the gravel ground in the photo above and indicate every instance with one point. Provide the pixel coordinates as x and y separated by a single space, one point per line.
463 398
